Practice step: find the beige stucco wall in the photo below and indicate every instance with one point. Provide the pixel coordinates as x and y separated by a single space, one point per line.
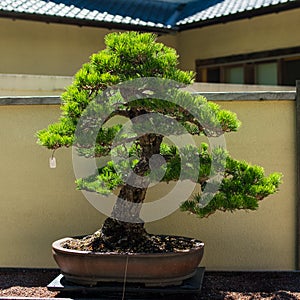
39 204
56 49
272 31
47 49
29 47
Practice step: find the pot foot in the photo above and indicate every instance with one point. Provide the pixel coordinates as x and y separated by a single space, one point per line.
88 282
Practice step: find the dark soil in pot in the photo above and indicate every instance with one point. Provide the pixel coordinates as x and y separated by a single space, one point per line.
149 244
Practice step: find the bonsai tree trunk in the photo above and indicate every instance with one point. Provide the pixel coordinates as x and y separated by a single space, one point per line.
125 228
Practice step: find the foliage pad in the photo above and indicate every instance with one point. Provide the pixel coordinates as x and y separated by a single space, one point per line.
129 56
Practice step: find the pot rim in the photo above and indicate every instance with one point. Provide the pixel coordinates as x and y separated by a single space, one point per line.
56 246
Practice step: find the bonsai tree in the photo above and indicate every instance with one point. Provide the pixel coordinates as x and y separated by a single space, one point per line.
129 78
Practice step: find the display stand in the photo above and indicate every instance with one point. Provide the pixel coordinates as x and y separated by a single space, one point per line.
109 290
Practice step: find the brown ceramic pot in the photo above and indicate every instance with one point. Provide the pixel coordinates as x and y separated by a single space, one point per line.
157 269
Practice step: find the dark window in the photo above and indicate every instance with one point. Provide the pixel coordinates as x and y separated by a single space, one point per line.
277 67
213 75
291 71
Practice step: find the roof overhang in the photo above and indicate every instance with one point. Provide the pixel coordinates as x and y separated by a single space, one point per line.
148 28
82 22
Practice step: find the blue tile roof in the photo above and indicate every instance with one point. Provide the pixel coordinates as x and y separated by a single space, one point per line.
159 14
208 10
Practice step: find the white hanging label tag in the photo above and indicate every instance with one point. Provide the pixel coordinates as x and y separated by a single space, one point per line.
52 162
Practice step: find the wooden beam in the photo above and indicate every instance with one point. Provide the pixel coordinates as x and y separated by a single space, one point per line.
298 174
249 57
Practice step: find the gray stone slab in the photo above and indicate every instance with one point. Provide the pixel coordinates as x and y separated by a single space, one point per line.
212 96
250 96
30 100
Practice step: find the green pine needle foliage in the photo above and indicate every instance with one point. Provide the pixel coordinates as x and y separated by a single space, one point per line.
133 55
242 187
